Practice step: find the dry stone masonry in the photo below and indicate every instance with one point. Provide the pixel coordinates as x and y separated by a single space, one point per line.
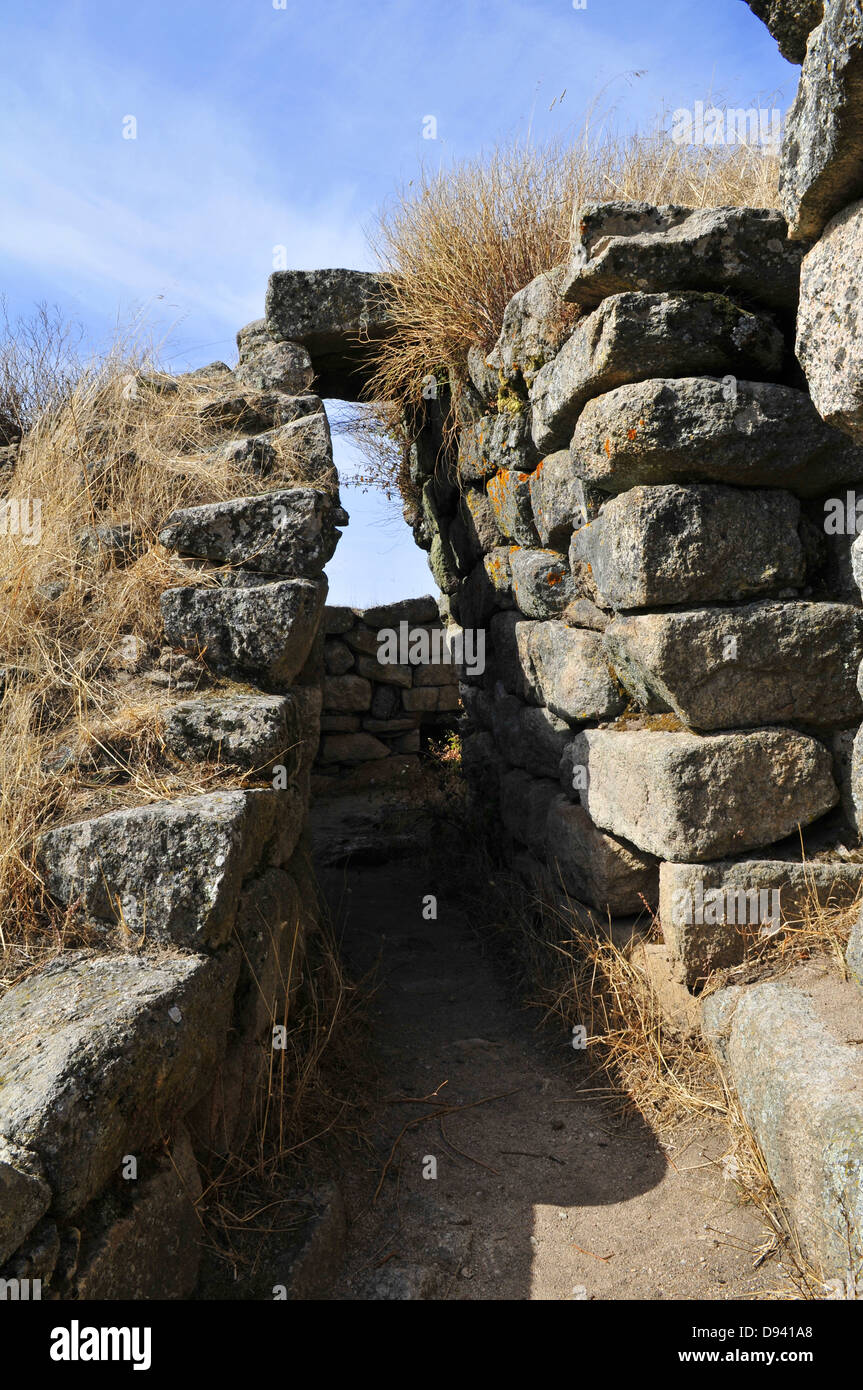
124 1068
643 536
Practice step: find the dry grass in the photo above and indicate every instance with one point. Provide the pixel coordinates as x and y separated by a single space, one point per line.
121 447
305 1113
645 1063
457 243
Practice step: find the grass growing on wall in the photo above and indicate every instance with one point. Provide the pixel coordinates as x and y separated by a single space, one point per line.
456 243
105 444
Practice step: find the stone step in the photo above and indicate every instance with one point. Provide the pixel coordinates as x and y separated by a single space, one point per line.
264 632
171 871
291 532
636 246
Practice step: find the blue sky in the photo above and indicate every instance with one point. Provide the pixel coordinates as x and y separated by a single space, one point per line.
260 126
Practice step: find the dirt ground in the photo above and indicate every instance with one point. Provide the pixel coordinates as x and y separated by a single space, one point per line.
489 1174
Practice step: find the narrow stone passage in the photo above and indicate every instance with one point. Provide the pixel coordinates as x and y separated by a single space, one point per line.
540 1192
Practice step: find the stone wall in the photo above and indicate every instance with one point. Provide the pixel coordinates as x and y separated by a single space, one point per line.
637 515
126 1067
379 701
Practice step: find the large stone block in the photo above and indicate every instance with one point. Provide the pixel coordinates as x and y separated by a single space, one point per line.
595 867
146 1242
265 632
100 1056
542 583
786 1047
24 1194
266 365
712 914
524 803
509 495
854 953
560 499
291 532
495 442
636 246
535 321
764 663
509 633
753 433
829 346
348 693
171 871
685 797
571 672
654 546
632 337
249 731
822 149
335 314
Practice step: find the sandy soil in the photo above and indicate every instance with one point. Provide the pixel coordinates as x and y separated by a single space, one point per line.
540 1192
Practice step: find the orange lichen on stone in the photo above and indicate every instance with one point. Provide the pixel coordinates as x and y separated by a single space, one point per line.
608 447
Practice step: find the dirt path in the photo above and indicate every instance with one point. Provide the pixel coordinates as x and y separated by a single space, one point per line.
538 1194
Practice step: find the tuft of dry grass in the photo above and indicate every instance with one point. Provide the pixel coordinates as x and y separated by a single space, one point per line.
458 242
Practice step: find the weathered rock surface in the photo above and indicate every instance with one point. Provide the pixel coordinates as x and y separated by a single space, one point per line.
495 442
266 365
711 913
347 692
786 1046
596 868
688 798
828 329
790 22
171 871
654 546
510 498
352 748
335 314
571 671
636 246
854 953
101 1056
509 633
764 663
264 632
561 501
689 429
524 804
822 149
632 337
541 582
148 1245
24 1194
249 731
291 532
535 322
323 308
